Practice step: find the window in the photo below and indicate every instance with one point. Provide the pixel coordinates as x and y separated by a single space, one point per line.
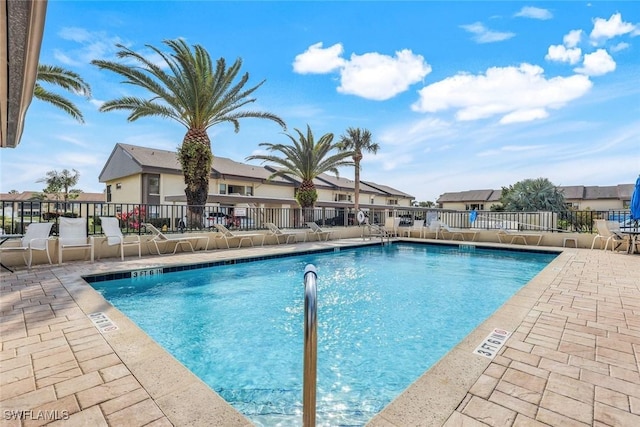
154 185
222 189
392 201
108 194
249 191
474 206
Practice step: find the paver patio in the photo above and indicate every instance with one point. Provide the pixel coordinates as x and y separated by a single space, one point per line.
572 359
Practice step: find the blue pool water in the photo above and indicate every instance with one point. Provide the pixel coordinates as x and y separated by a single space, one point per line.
385 313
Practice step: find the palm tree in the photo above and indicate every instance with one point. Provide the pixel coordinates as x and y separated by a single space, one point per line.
65 79
305 159
60 183
355 142
194 94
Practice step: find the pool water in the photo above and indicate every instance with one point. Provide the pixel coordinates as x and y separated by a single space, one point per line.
385 315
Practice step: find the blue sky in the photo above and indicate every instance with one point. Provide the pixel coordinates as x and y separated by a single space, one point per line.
459 95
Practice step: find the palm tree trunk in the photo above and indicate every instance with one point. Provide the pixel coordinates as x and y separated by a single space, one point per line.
356 159
196 158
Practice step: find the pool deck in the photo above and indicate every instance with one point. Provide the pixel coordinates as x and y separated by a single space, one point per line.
573 357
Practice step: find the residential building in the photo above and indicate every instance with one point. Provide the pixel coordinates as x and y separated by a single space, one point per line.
579 197
134 174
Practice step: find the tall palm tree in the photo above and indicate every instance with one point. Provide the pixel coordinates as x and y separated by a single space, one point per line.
355 142
194 94
65 79
305 159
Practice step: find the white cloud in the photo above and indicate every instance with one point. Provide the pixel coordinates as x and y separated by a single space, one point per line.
597 63
524 116
572 38
316 60
515 94
620 46
604 29
380 77
79 35
483 35
562 54
534 13
371 76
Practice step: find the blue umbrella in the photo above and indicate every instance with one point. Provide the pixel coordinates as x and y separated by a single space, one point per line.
473 215
635 201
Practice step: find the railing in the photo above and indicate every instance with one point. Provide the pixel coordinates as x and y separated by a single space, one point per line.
16 215
310 347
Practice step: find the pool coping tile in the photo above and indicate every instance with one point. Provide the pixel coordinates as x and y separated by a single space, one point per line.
545 317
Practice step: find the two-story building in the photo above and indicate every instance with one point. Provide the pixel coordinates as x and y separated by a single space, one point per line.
134 174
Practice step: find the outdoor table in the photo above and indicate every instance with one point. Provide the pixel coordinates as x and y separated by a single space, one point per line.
4 238
633 234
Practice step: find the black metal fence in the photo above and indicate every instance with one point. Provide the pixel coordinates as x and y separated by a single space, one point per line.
16 215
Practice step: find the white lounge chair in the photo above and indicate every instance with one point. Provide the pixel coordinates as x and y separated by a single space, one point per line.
318 232
35 239
391 225
225 234
73 235
278 233
180 241
417 227
114 236
514 235
433 228
608 232
453 232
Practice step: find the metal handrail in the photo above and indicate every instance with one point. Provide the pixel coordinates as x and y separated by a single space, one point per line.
310 347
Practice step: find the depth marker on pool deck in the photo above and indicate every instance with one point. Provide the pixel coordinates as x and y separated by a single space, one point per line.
102 322
492 343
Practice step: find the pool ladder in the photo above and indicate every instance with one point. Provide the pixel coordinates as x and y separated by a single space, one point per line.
376 231
310 347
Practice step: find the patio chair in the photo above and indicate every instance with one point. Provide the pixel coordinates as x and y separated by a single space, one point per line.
225 234
180 241
35 239
504 232
114 236
278 233
318 232
433 228
417 227
608 231
73 236
453 232
391 225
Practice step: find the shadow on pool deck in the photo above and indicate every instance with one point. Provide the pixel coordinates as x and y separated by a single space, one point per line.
572 358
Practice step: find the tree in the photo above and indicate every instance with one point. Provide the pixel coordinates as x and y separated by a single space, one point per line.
533 195
305 159
61 183
65 79
193 94
355 142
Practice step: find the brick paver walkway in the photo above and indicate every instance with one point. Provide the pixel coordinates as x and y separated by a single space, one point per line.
573 360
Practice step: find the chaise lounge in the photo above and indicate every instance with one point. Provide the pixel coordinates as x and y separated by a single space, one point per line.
514 235
160 238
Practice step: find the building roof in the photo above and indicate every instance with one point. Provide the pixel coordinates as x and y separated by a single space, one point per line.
467 196
127 159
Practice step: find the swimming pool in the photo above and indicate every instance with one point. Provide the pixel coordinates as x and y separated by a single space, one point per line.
386 314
